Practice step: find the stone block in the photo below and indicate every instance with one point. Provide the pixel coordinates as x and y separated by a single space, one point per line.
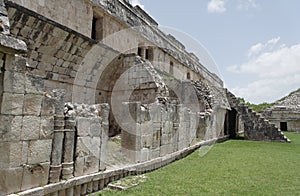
12 104
145 154
35 175
31 128
11 154
11 180
47 127
91 165
15 154
4 155
95 127
48 105
163 150
34 84
14 82
79 164
10 128
83 126
32 104
39 151
83 145
154 153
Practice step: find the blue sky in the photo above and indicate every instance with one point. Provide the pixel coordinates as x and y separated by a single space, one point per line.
255 44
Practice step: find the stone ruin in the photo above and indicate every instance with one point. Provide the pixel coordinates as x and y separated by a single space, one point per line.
75 75
285 113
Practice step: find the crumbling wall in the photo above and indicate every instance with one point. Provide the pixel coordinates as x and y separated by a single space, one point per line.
91 126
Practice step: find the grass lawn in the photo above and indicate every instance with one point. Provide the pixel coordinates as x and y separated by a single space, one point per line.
235 167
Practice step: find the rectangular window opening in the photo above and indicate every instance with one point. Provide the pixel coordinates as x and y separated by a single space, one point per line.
97 28
188 76
140 52
171 67
147 54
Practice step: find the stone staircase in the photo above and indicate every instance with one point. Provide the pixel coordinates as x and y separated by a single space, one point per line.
256 127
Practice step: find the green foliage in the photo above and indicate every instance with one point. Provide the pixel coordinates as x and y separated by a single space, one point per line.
234 167
259 107
256 107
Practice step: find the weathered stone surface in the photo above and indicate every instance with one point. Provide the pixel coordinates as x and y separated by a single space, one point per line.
69 145
16 63
57 148
11 180
14 82
31 128
47 127
35 175
10 44
4 155
2 8
39 151
12 154
48 105
83 126
32 104
12 104
34 84
10 128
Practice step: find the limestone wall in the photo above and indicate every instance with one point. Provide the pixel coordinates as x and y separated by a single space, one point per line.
287 115
44 141
158 129
75 14
116 17
38 134
155 130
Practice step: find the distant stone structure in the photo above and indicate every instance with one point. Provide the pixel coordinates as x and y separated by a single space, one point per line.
75 73
286 113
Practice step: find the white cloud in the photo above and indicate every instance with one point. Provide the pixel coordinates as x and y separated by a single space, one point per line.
268 90
246 4
137 2
216 6
273 41
260 47
275 71
255 49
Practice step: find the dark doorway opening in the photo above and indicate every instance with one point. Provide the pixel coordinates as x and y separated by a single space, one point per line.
283 126
231 123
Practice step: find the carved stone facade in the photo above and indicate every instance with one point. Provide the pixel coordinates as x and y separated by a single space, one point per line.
75 73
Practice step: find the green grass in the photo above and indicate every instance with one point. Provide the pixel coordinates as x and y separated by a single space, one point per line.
234 167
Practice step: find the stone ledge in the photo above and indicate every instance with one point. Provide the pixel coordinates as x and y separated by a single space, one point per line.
12 45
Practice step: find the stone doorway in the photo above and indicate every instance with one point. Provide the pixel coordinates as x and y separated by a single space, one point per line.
231 123
283 126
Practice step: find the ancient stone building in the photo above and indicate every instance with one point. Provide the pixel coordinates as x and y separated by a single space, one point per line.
76 74
286 113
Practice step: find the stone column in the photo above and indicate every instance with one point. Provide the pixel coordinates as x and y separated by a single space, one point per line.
69 145
143 52
57 145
